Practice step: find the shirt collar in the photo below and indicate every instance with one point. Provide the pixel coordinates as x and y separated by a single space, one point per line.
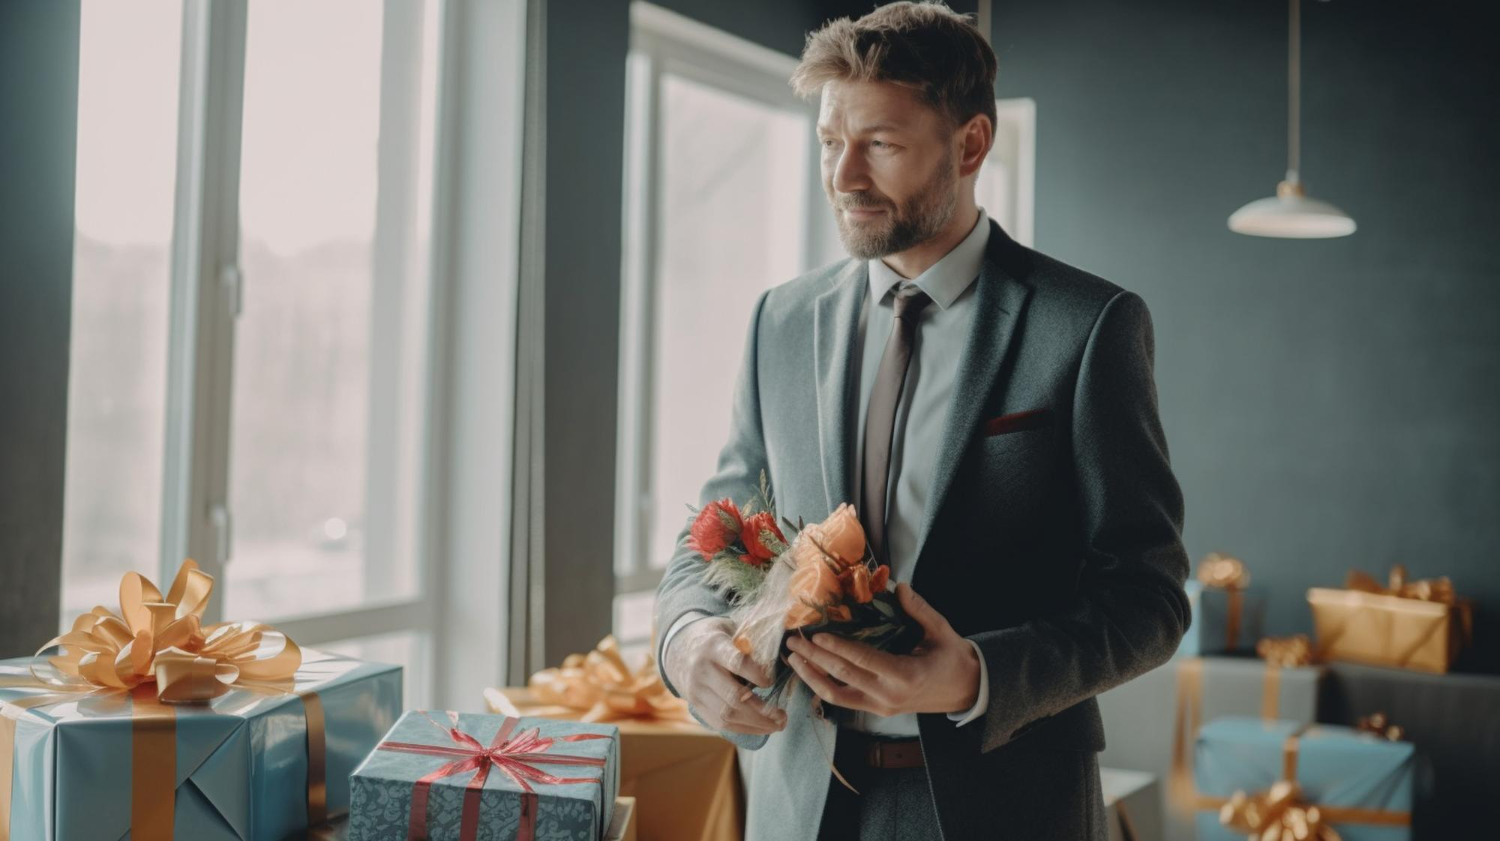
944 280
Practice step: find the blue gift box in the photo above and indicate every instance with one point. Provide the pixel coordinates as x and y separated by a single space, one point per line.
241 760
1335 767
442 765
1218 625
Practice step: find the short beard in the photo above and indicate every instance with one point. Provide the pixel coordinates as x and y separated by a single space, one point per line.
915 221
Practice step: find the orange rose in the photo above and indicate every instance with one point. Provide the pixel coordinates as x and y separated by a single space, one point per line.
800 615
841 536
857 584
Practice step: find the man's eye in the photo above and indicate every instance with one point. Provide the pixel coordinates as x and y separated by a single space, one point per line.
828 143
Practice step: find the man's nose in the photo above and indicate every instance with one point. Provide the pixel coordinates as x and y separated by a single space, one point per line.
849 172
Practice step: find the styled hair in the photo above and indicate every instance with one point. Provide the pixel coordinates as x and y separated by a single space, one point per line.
926 46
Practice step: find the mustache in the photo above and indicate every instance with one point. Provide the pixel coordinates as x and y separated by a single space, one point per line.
862 204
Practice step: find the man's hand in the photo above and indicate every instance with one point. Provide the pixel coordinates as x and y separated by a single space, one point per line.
940 676
708 670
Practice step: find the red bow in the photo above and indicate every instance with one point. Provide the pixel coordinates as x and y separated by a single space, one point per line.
517 757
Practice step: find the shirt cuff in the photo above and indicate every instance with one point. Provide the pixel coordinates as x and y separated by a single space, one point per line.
983 702
682 622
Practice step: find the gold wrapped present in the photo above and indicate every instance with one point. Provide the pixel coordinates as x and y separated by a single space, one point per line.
684 777
1419 625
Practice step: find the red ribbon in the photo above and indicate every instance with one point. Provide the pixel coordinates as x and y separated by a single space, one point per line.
517 757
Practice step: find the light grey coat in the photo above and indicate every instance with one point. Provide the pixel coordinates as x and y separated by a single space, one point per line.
1057 549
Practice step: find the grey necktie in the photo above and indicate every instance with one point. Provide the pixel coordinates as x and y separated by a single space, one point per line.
880 419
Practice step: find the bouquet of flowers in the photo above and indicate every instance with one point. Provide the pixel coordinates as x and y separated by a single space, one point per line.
823 579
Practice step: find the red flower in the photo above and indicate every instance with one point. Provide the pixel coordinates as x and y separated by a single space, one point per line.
716 527
763 540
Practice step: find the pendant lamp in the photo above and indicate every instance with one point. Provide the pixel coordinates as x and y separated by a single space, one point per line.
1291 213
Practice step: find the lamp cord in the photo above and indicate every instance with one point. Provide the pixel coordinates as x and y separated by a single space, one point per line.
1294 94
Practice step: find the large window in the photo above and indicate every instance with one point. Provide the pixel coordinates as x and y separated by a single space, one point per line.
252 312
129 58
721 189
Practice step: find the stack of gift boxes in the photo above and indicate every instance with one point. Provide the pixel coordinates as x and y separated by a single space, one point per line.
1245 732
148 724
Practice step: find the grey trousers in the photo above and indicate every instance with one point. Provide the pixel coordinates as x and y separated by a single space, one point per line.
896 804
893 804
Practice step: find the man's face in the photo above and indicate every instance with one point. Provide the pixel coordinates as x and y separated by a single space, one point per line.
889 166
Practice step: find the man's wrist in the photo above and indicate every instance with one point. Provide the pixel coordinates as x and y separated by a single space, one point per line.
981 700
686 619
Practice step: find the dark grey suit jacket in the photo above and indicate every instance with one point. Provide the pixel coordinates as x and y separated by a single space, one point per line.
1056 548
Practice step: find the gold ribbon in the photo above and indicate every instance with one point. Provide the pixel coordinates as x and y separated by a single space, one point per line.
153 766
1286 652
1222 572
1424 589
1281 814
1185 725
163 641
1189 714
1381 726
604 688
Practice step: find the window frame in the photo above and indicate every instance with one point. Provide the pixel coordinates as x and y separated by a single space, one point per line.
663 42
206 300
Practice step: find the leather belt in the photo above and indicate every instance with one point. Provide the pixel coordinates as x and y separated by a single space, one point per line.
882 752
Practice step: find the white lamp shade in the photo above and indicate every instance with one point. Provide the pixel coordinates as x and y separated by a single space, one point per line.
1293 216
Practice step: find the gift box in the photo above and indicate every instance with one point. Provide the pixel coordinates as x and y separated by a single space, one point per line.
150 723
1132 801
1223 620
257 763
1418 625
451 776
1227 614
1459 760
622 825
684 777
1253 774
1150 722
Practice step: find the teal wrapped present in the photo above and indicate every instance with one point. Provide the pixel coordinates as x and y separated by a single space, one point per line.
1286 773
257 763
478 777
1227 613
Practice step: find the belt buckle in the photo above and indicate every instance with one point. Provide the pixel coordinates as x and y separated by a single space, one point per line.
875 755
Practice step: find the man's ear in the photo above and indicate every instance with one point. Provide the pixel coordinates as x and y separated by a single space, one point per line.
975 138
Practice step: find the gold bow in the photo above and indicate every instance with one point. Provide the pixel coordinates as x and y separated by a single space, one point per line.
1381 726
1224 572
600 683
1426 589
1285 652
1278 814
163 640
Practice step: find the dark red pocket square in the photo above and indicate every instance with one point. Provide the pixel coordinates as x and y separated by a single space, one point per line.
1017 421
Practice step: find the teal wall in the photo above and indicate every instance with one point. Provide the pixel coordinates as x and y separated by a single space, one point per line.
1328 404
38 104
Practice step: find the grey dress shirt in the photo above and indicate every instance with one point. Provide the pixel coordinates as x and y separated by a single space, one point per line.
942 331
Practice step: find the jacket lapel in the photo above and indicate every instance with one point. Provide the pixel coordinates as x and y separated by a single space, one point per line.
835 322
998 300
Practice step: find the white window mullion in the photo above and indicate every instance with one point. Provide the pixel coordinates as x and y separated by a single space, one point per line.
207 286
632 495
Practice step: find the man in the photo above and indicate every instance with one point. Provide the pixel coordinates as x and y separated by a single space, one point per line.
991 412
